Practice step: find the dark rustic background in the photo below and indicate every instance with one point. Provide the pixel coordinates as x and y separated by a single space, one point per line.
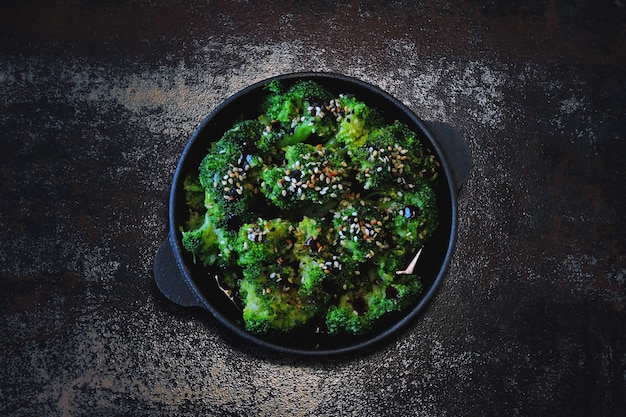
98 99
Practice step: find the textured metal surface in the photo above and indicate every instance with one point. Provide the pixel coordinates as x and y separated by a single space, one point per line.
98 100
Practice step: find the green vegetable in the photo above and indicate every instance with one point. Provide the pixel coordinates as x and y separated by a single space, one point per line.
356 122
393 156
310 175
359 310
310 209
229 174
209 243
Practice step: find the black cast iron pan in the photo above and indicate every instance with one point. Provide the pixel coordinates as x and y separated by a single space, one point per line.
190 285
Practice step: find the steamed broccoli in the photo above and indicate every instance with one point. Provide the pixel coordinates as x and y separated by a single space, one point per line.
313 246
392 156
311 209
361 229
228 173
313 276
286 105
269 307
356 120
310 175
358 311
264 241
414 215
271 277
307 112
209 244
294 114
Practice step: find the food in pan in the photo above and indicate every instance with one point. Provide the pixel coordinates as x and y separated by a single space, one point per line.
312 211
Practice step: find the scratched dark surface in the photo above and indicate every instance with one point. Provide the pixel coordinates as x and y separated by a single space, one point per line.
98 99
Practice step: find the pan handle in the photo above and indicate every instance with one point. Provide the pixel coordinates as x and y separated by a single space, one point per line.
455 149
171 280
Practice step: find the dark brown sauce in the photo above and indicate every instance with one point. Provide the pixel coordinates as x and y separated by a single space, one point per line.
360 305
391 292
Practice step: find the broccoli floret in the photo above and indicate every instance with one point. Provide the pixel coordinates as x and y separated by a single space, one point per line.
313 274
229 173
279 291
298 114
392 156
271 278
270 307
311 237
311 175
272 140
362 230
417 219
285 105
209 244
313 240
264 242
358 311
412 215
194 199
356 120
